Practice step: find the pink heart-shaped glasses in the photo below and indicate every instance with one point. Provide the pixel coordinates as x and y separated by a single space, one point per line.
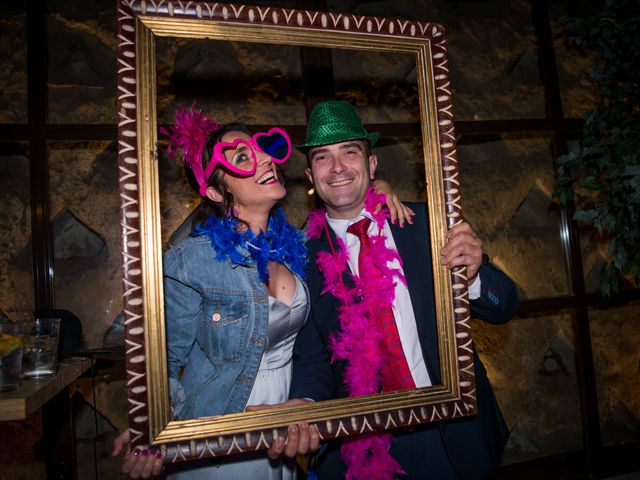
275 143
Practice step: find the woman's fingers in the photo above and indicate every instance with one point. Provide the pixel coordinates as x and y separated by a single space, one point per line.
142 463
120 442
301 439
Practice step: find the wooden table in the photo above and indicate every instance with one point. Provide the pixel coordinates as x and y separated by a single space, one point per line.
33 394
52 395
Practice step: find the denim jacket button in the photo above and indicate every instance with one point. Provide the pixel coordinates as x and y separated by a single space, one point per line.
215 317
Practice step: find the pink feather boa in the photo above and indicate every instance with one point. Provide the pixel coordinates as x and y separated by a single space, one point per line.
359 343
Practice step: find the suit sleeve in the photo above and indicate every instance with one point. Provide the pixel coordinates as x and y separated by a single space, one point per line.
498 299
312 373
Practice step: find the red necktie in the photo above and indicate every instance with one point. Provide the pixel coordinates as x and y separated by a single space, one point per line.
395 373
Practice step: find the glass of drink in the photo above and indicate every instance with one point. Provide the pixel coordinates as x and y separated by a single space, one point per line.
11 341
40 356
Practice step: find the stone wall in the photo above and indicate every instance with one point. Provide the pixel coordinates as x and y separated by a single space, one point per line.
506 185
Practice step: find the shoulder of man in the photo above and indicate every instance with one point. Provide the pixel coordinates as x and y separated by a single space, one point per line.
420 221
420 209
416 205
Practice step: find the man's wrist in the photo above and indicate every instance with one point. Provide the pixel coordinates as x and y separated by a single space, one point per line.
475 287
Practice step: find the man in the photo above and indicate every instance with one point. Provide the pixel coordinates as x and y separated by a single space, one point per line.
341 168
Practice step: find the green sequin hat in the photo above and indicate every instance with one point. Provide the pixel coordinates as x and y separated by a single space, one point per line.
334 122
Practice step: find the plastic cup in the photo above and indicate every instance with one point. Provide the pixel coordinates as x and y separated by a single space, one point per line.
11 342
40 355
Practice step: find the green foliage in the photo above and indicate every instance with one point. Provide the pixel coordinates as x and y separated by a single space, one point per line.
605 168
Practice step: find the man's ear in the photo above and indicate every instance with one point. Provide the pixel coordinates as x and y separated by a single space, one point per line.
373 163
214 195
307 171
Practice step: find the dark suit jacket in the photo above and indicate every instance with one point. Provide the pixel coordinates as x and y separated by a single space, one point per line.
474 445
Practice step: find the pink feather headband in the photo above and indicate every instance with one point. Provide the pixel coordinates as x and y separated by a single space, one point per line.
191 131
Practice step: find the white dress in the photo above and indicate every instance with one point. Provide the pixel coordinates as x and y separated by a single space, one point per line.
271 386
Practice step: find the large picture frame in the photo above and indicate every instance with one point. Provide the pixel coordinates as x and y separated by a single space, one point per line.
139 23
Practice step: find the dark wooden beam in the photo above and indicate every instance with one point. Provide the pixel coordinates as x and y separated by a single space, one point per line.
38 164
553 305
72 132
89 132
543 125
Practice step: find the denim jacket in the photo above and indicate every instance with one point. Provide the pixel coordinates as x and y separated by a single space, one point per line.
216 324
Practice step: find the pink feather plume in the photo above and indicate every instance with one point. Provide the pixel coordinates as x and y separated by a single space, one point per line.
189 133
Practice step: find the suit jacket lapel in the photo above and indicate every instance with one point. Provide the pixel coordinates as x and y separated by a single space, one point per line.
323 244
325 306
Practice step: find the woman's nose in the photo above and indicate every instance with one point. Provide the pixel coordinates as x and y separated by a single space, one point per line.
263 158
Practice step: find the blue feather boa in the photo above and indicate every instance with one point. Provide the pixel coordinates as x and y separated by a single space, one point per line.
282 243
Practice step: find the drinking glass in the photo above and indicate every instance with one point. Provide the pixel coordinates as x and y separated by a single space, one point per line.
40 356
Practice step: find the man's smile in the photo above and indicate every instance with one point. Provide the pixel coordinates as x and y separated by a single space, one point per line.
340 182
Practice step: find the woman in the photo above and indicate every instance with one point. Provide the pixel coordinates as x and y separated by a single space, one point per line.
234 293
